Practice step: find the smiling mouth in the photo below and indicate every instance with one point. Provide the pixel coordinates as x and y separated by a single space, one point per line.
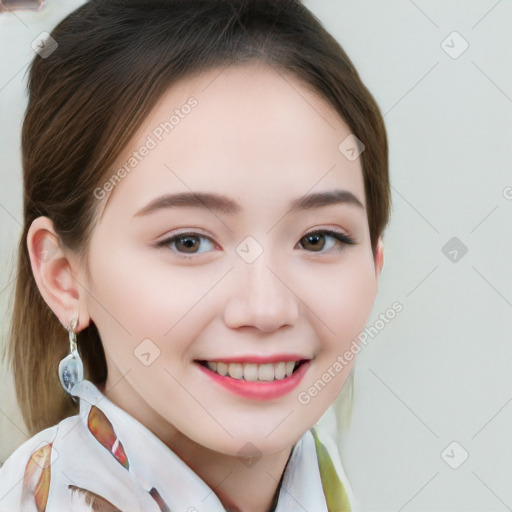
268 372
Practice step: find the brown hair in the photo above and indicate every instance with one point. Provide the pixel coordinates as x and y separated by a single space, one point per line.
114 60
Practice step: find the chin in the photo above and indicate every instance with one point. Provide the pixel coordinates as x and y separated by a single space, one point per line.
258 443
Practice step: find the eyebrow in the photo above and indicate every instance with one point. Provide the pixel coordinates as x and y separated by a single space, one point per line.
223 204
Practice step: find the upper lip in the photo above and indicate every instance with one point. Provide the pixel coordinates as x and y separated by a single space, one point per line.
258 359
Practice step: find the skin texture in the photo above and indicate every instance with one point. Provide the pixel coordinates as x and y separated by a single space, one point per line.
263 139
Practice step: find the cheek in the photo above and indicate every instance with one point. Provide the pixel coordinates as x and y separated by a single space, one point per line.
138 291
122 291
352 304
136 296
341 299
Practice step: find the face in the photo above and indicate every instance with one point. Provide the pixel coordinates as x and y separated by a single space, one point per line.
239 236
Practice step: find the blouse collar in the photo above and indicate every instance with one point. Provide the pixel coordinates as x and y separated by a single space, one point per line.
309 479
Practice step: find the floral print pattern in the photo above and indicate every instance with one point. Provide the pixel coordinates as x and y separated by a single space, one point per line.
37 477
82 478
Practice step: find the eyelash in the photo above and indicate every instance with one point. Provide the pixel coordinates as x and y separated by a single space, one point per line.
341 237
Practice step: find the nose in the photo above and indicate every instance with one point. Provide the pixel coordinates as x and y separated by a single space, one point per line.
261 298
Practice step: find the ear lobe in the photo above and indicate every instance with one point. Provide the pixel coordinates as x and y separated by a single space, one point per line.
53 272
379 257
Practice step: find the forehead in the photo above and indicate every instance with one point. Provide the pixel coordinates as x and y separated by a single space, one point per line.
251 128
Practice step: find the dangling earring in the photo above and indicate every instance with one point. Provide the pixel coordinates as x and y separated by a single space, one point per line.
71 369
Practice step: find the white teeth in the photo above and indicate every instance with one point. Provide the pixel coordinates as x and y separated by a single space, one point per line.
222 368
236 370
266 372
253 372
280 371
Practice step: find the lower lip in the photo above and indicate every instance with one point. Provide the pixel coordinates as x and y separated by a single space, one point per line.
258 390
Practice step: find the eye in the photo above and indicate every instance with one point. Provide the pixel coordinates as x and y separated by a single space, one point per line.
188 243
324 240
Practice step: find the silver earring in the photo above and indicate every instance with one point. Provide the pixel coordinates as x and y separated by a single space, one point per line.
71 368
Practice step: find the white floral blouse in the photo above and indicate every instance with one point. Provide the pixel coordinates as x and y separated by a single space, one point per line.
105 460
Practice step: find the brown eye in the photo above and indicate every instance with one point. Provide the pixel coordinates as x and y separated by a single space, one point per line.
313 242
188 243
317 241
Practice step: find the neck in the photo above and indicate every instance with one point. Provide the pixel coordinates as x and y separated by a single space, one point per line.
239 487
250 486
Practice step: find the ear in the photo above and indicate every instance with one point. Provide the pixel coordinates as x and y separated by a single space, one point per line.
379 257
54 270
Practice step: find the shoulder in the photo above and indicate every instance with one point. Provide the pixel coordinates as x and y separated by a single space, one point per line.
19 458
27 465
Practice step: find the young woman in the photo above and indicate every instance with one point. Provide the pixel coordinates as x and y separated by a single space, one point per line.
205 192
